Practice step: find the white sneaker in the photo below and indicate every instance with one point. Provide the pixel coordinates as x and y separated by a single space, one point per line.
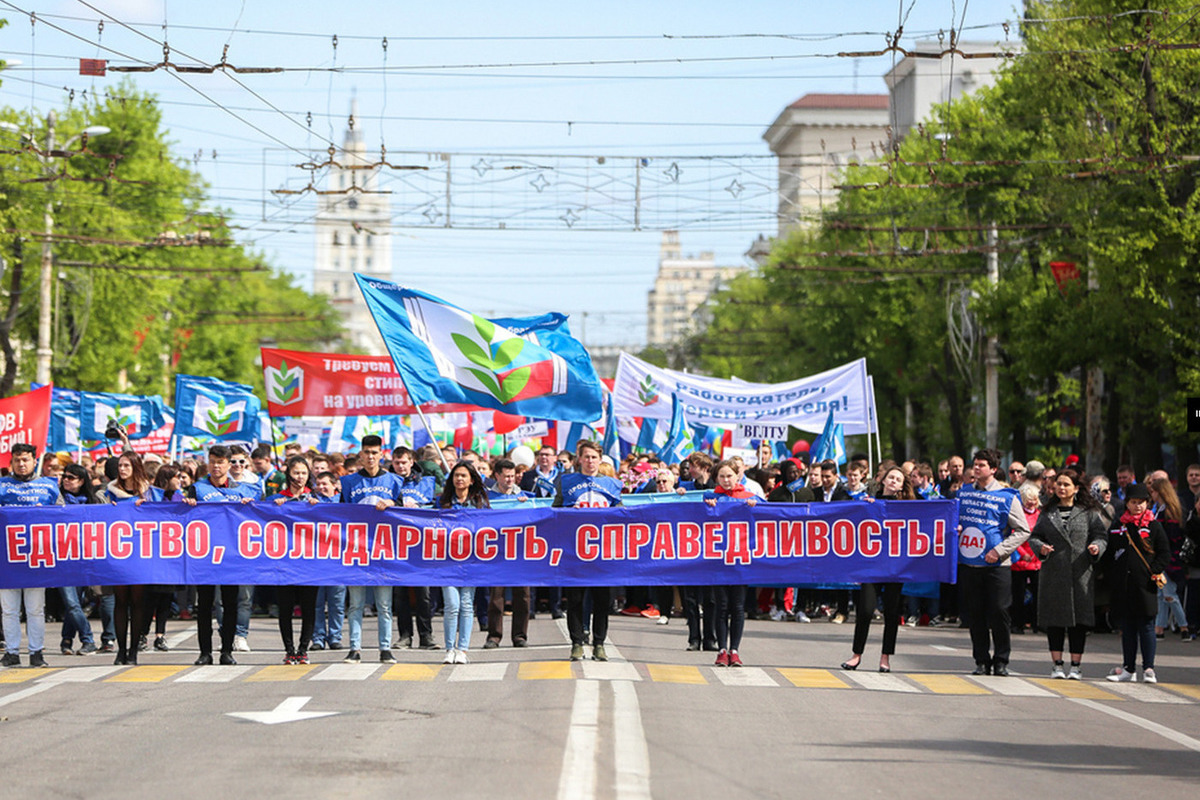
1074 674
240 644
1119 675
777 614
911 622
663 620
449 659
1058 673
802 617
1148 676
460 656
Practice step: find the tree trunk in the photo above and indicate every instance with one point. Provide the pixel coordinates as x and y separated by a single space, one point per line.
6 325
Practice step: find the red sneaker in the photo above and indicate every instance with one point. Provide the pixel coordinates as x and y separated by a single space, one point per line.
631 611
650 612
734 659
722 659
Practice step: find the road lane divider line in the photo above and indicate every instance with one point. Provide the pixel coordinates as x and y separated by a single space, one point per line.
631 754
1154 727
577 781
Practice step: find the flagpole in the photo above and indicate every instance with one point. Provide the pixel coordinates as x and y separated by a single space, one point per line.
274 441
428 429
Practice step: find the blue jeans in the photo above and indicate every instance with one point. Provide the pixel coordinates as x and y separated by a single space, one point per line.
383 605
108 628
1134 631
245 594
331 613
1169 605
74 620
35 618
458 616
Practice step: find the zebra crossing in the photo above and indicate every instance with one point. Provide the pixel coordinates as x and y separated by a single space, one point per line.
808 678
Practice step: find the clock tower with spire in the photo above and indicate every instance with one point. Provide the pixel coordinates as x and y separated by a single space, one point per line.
353 227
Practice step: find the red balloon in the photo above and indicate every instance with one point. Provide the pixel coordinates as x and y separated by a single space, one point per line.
800 447
506 423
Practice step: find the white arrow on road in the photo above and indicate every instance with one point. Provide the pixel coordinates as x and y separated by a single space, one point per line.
287 711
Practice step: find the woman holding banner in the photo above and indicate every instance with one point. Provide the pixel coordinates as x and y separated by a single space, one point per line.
464 489
731 600
130 485
895 485
298 487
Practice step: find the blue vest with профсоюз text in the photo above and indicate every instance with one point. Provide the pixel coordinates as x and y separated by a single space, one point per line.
358 487
233 492
581 491
983 516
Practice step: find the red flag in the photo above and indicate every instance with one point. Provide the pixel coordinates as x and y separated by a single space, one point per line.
1065 273
464 437
93 66
506 423
24 419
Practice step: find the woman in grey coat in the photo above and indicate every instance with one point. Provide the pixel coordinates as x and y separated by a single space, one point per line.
1070 536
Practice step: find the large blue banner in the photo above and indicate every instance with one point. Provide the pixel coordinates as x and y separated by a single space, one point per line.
331 544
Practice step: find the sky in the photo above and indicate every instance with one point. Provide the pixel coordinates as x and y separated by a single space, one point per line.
484 82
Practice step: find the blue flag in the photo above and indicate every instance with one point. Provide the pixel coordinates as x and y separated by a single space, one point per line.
830 444
141 415
612 440
530 365
223 411
681 443
64 421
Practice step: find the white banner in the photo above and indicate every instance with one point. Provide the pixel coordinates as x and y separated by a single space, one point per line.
644 390
746 432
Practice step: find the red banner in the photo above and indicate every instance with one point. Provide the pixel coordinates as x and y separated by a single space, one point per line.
303 384
1065 273
24 419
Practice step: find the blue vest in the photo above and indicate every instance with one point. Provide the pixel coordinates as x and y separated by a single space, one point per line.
724 498
420 490
984 519
205 492
33 492
153 495
494 495
323 499
580 491
358 488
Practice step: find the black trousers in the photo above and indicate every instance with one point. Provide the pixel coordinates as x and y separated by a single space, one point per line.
1021 613
868 595
204 608
697 599
403 608
288 597
601 600
986 597
1076 636
731 615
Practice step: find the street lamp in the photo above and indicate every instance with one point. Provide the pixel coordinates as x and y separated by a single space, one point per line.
44 351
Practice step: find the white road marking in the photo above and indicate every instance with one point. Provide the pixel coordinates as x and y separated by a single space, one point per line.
631 754
1153 727
346 672
78 674
607 671
1011 687
1147 694
21 694
578 778
944 648
880 682
743 676
214 674
287 711
181 637
610 649
479 672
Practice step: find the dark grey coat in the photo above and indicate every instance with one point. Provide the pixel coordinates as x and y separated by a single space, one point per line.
1066 587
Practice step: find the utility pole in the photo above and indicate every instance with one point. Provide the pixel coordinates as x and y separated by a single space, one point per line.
45 280
992 356
1093 454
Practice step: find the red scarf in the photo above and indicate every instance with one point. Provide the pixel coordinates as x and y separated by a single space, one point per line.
1142 520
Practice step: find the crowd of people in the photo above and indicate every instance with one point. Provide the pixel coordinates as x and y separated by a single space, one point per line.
1048 550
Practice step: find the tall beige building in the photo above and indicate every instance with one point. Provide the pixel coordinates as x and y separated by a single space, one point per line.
814 139
353 235
682 287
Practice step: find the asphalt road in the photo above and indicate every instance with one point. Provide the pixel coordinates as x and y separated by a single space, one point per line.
656 721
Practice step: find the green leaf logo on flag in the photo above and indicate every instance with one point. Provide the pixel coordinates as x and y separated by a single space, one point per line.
647 391
491 360
220 420
285 384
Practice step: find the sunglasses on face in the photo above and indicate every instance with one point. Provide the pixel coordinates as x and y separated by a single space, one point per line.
241 461
1016 472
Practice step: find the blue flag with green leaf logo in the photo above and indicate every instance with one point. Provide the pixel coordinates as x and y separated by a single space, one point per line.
521 365
221 410
140 415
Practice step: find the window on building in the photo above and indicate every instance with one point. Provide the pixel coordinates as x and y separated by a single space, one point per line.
353 263
368 240
367 263
337 241
353 240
